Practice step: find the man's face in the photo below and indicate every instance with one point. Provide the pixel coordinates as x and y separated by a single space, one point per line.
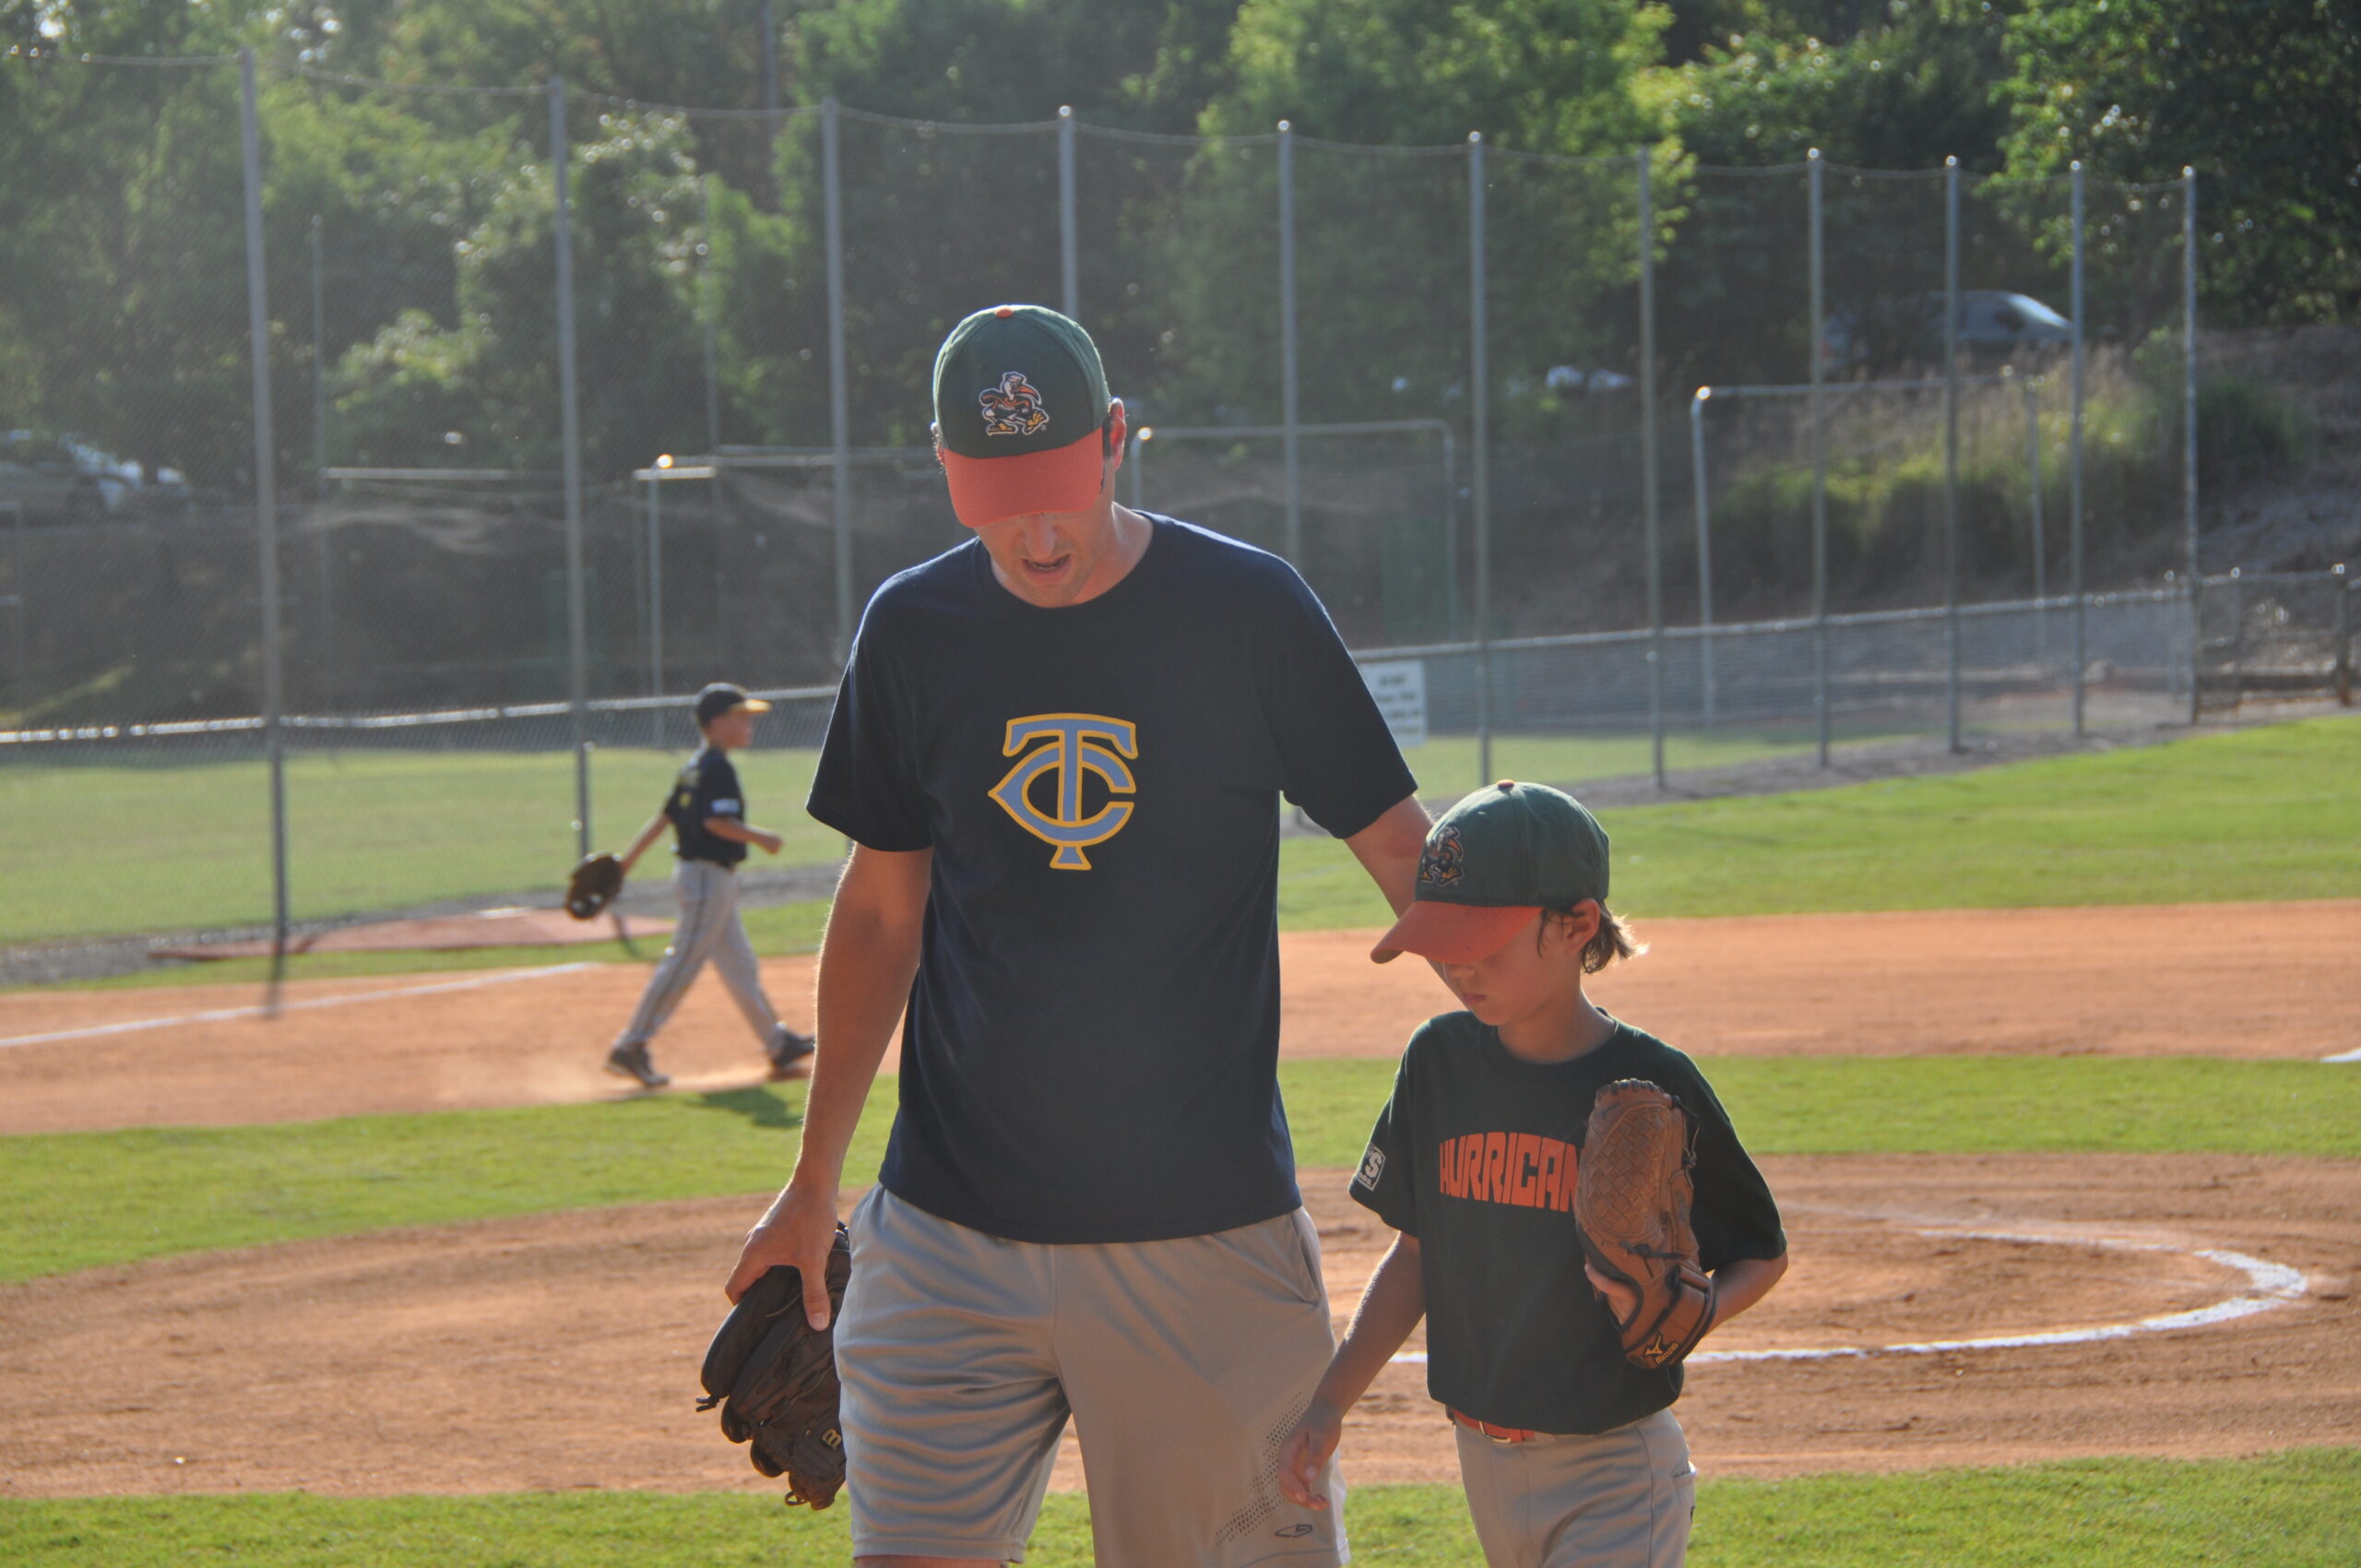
1054 559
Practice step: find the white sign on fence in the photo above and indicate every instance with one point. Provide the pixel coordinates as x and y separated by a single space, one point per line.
1400 687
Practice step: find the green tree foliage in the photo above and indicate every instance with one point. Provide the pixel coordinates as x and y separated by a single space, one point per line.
2258 96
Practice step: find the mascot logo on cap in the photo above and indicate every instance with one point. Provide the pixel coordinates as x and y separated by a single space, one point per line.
1442 861
1013 408
1064 746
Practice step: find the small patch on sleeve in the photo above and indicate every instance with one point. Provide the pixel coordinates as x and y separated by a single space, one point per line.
1372 1169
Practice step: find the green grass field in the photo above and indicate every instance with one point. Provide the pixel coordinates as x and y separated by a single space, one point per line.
2264 813
2298 1509
2261 815
78 1200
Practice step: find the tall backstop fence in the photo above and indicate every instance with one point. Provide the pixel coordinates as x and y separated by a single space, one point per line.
384 460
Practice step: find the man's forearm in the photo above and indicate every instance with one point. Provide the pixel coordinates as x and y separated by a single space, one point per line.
729 828
865 973
1388 849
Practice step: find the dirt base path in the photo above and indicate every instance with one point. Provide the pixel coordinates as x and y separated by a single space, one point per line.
563 1351
2227 979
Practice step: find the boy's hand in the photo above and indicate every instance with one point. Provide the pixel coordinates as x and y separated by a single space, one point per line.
768 842
1622 1300
1307 1452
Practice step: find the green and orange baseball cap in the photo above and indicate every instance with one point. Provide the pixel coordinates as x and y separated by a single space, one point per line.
1493 861
1020 409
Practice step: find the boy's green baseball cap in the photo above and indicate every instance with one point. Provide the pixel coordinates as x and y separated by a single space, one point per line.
1493 861
1020 399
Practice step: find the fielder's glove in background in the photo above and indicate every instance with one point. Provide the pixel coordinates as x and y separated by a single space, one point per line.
593 886
1631 1205
775 1378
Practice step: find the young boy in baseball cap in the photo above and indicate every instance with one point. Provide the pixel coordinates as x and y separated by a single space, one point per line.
707 813
1569 1450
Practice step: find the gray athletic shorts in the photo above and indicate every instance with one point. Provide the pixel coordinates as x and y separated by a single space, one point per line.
1622 1499
1183 1363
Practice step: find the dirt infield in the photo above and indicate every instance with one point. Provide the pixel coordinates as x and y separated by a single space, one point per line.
2227 979
561 1351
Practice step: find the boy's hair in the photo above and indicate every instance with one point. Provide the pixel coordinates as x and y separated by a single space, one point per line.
1613 939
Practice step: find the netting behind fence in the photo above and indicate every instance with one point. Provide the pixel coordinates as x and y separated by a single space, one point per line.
579 403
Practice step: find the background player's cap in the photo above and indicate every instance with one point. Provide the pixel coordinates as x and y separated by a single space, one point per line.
1020 399
723 698
1496 860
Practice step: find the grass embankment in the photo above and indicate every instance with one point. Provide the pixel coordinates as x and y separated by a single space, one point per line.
84 1199
2261 814
2299 1509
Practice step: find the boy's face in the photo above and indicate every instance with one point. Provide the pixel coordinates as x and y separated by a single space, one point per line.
733 731
1531 974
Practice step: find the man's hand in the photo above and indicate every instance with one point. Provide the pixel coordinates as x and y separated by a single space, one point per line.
798 1231
1307 1452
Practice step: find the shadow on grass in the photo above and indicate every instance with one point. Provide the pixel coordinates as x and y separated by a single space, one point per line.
761 1107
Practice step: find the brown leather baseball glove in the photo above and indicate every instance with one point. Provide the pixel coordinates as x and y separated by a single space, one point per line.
593 886
775 1378
1631 1206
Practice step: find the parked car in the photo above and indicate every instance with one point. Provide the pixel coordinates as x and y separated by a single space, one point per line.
63 476
1994 325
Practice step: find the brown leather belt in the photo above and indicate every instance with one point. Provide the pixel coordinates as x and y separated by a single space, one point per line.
1498 1434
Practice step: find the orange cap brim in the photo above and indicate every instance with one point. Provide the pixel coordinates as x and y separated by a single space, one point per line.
985 490
1453 933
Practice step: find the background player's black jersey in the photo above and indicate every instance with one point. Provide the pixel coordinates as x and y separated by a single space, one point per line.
1092 1045
707 787
1477 1155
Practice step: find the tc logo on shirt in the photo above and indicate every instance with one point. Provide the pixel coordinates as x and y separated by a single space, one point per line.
1068 745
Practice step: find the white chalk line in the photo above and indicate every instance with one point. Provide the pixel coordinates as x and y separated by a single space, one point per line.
2269 1285
225 1015
2344 1057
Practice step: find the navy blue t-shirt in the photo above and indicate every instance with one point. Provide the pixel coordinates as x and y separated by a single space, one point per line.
1092 1044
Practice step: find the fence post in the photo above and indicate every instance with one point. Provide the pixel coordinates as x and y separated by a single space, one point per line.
1648 476
655 609
265 515
20 599
2345 589
1480 459
1069 258
708 310
2189 410
839 408
1705 548
2040 541
1951 446
1290 391
324 662
1818 168
2074 456
570 425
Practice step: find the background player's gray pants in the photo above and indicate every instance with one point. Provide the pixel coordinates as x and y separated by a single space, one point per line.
709 928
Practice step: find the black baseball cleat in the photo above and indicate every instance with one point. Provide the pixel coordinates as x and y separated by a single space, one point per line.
790 1055
632 1062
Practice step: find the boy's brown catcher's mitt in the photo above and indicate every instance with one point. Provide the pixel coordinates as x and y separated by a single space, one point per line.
775 1377
593 886
1631 1206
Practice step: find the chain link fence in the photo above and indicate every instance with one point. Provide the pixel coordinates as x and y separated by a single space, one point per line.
568 404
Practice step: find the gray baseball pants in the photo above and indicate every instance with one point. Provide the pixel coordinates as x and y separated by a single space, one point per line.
1622 1499
1183 1365
710 929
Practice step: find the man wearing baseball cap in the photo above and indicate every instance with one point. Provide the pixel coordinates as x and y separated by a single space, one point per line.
1059 751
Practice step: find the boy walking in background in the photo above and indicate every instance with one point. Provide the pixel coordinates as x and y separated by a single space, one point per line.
1569 1450
707 813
